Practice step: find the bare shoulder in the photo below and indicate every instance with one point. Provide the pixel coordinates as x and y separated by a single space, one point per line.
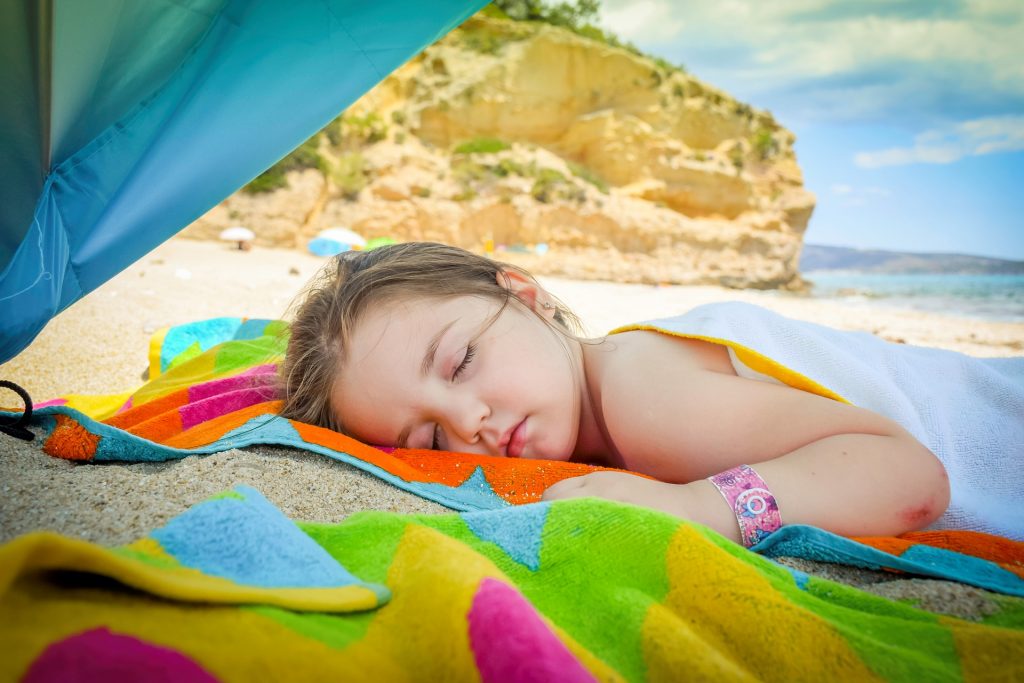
638 350
675 409
634 370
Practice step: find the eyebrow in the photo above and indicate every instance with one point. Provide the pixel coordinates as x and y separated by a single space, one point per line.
425 367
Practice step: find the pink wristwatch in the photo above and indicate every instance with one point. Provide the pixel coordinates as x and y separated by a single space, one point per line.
756 511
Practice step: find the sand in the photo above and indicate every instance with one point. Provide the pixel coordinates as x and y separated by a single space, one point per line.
99 345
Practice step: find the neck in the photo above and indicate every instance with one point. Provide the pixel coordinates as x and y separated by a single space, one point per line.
593 444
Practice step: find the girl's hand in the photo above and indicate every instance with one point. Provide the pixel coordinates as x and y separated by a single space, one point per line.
625 488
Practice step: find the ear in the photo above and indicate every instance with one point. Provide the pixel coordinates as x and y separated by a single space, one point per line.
532 295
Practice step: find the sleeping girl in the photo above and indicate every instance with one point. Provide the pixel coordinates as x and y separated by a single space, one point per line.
743 420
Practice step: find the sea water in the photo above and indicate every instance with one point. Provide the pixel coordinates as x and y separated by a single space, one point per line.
986 297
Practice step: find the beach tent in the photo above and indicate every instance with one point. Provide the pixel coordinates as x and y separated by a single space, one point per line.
125 120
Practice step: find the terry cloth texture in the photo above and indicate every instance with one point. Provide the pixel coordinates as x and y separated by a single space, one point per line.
968 411
577 590
217 393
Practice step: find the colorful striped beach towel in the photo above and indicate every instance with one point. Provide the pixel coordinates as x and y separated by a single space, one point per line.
211 388
578 590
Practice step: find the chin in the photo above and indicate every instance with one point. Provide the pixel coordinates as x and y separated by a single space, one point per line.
560 454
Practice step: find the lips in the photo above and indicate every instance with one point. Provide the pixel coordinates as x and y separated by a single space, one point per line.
516 440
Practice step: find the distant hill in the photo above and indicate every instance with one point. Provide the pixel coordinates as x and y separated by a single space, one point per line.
820 257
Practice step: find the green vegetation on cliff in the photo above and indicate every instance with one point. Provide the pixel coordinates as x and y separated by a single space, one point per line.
347 133
580 17
306 155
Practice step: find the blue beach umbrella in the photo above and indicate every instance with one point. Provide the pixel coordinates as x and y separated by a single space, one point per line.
333 241
123 121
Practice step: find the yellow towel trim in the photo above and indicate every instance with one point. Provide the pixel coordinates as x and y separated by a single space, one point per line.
97 407
42 551
156 342
752 359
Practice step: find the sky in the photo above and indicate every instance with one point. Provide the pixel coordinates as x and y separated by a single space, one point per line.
909 115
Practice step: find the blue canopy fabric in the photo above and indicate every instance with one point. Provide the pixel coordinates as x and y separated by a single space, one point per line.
125 120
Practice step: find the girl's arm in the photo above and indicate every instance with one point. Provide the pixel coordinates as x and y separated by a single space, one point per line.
827 463
850 484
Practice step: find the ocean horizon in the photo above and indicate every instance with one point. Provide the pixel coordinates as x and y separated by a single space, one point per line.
998 298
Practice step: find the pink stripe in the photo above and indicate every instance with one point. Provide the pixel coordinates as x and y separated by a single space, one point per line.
100 655
221 404
268 369
199 392
51 402
512 643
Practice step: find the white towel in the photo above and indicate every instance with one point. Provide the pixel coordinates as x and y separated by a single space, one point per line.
968 411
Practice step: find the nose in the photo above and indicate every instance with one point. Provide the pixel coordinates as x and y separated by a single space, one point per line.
465 418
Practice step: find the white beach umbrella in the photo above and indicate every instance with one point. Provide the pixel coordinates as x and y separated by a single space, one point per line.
238 234
343 236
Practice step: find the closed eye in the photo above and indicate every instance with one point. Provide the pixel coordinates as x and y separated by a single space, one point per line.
466 360
435 443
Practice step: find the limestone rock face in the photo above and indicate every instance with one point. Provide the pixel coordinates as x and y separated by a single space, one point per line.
624 168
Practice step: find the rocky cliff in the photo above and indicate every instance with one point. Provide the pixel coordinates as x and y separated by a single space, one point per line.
517 134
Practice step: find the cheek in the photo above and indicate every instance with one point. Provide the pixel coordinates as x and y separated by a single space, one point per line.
369 411
555 380
535 365
550 369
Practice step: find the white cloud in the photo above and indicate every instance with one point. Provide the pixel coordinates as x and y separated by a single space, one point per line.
644 21
869 59
857 196
945 145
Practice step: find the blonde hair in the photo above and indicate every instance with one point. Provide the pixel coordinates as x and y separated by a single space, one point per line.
356 281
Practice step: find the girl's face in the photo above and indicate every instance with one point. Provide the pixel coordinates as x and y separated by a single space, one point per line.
432 374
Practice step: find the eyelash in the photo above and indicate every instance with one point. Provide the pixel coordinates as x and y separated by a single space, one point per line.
466 360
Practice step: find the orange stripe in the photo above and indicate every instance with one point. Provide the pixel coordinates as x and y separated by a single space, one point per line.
70 440
141 413
887 544
159 429
205 433
516 480
1006 553
328 438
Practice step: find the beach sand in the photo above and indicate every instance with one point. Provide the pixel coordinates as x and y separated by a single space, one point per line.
100 345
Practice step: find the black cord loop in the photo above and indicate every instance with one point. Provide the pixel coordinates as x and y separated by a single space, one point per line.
16 426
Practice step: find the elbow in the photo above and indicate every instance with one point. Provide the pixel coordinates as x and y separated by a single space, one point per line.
931 491
943 492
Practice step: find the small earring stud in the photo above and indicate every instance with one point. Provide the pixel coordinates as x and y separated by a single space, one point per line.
547 305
